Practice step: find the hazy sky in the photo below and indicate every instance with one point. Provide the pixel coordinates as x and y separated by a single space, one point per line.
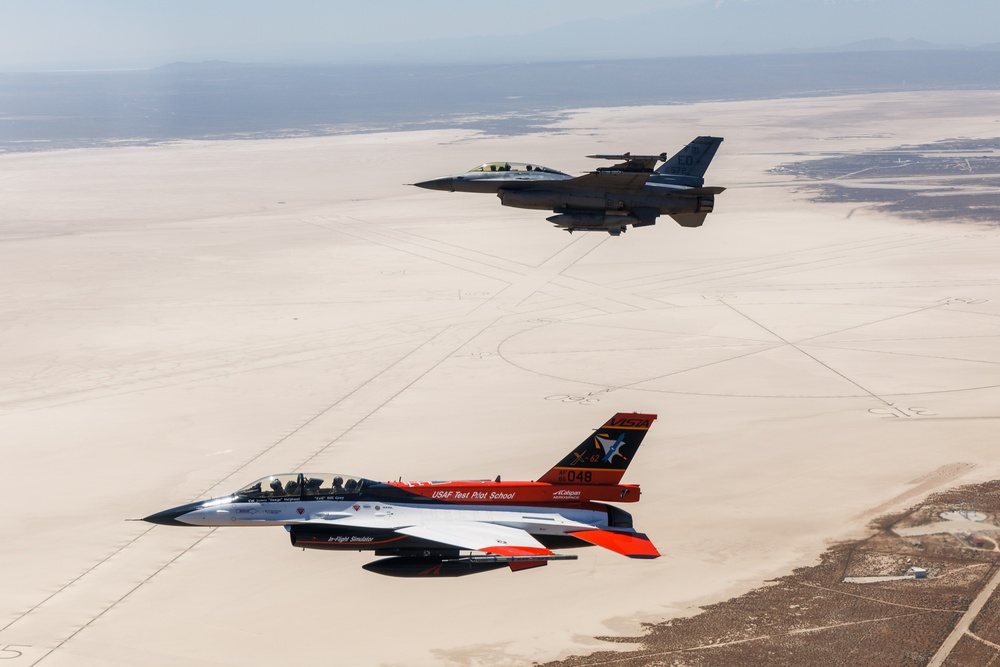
39 34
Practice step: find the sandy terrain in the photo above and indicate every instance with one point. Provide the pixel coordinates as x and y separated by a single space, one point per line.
176 321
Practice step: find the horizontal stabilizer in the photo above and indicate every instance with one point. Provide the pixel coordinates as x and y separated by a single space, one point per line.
633 545
699 192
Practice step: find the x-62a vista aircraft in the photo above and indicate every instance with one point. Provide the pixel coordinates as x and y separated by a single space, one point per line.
608 199
450 529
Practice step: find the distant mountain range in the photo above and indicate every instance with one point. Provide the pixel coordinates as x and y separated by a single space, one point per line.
883 44
224 100
887 44
596 40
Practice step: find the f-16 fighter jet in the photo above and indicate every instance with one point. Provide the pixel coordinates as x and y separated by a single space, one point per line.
608 199
450 529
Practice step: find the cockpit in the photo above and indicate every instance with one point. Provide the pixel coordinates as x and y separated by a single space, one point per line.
515 166
300 485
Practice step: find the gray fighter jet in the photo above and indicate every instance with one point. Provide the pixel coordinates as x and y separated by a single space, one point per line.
608 199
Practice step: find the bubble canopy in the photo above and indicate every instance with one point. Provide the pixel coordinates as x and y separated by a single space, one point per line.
515 166
299 484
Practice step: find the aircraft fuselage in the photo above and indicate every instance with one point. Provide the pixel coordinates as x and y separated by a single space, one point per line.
426 526
609 199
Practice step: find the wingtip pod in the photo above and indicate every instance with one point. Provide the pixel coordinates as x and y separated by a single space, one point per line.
603 457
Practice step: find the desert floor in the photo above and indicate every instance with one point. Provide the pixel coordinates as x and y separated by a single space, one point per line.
177 321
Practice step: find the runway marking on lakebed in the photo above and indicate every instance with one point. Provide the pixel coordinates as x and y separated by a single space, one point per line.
574 302
366 399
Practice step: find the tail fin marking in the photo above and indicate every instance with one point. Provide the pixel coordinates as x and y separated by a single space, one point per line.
603 457
689 165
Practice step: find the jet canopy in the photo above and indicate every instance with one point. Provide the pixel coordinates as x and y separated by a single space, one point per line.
515 166
299 484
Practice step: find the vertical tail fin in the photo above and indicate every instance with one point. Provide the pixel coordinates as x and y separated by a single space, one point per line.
603 457
689 165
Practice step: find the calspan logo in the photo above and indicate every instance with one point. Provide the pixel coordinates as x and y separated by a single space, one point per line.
611 447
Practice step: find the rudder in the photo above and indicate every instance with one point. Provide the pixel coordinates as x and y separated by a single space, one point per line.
604 456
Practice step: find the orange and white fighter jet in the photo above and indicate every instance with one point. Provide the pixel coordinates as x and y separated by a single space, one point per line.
449 529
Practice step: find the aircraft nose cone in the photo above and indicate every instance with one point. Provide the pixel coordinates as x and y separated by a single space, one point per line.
436 184
169 517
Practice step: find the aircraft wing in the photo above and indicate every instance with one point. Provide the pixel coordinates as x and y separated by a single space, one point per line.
502 546
609 180
486 537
